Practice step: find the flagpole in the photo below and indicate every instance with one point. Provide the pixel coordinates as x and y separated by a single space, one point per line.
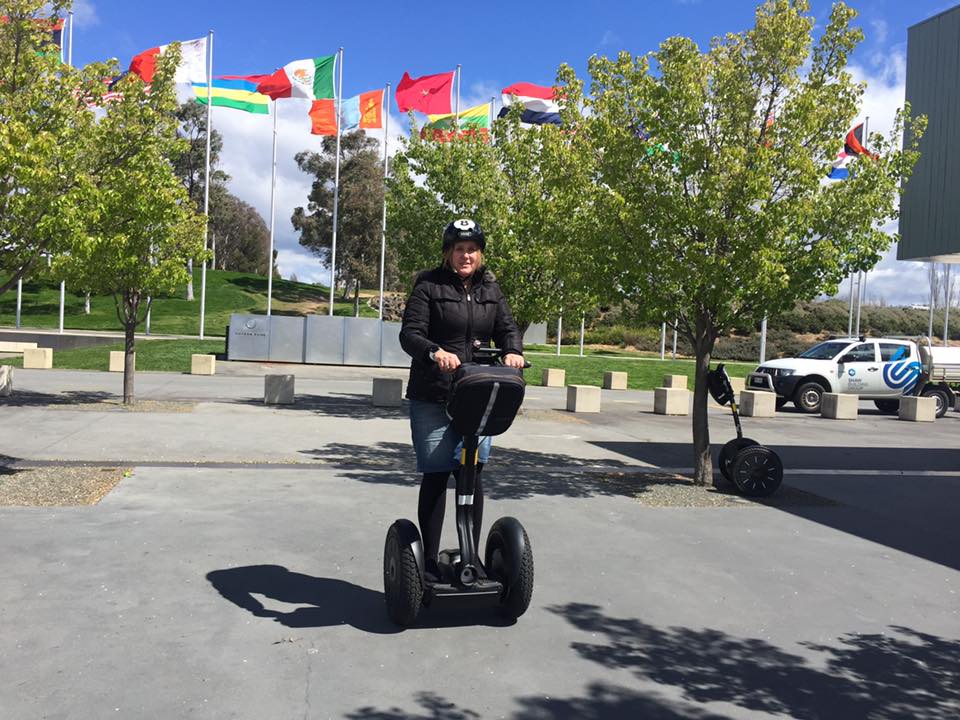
383 235
206 189
336 181
69 54
19 298
70 40
458 97
861 278
273 197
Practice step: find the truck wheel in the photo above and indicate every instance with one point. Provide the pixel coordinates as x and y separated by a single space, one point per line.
809 396
943 400
888 407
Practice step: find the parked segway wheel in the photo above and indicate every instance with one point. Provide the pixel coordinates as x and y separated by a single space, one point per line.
402 584
757 471
509 560
729 451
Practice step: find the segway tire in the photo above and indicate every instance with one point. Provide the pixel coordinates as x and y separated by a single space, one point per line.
509 560
402 585
757 471
729 451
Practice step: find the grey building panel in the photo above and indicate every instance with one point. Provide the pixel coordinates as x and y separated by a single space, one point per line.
286 339
362 341
249 337
930 203
324 340
392 355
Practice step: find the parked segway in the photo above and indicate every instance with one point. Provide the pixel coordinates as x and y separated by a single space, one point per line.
753 469
484 401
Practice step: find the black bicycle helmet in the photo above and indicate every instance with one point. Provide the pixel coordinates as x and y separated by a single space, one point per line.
463 229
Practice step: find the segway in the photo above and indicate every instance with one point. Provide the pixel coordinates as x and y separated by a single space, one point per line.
753 469
484 400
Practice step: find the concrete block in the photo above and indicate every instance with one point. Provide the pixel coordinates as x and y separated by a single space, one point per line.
671 400
583 398
6 380
10 346
278 389
755 403
116 360
552 377
840 406
203 364
675 381
387 392
615 380
38 358
918 409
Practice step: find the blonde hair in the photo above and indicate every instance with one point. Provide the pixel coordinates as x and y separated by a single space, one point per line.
448 253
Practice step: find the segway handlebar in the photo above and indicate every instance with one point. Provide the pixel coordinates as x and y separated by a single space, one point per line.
490 356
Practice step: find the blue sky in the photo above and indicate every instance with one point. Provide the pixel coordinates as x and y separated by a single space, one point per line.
497 43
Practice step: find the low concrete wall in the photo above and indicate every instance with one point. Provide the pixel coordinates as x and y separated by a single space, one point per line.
56 341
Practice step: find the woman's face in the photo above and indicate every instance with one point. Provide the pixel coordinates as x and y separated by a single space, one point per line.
465 258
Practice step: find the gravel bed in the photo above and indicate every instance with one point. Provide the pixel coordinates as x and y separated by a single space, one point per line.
667 490
53 486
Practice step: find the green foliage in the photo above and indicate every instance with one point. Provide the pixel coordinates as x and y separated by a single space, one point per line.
521 188
46 191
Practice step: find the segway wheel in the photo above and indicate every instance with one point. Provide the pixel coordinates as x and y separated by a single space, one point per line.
729 451
757 471
402 587
509 560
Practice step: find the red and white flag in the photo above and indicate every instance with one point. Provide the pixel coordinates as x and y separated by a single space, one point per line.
192 67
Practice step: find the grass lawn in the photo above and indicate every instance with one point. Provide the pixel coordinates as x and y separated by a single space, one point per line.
643 373
227 292
169 355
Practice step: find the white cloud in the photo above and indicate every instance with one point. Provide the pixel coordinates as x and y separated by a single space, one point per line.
609 39
85 14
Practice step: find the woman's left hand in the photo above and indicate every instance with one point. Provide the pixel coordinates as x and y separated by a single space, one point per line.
513 360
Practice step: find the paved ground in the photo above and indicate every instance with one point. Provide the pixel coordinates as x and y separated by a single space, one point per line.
249 586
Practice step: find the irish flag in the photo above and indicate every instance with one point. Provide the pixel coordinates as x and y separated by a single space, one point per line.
472 121
311 79
192 67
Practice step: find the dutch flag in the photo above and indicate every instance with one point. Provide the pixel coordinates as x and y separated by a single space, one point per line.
539 104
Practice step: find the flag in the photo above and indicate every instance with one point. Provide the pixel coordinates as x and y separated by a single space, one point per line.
192 67
430 94
51 26
472 121
538 101
311 79
363 111
323 117
852 147
236 94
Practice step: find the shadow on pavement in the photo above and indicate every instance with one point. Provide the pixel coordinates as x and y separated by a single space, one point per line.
354 406
511 474
330 601
899 673
27 398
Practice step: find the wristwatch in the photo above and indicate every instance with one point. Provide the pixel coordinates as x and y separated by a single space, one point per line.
433 353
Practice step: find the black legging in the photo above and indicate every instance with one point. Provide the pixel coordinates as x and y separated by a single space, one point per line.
433 502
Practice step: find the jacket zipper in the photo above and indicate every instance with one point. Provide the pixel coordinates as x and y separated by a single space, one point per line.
468 351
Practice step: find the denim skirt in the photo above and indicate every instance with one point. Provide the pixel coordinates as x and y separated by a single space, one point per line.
438 445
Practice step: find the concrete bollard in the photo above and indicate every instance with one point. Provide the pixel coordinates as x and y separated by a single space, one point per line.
9 346
738 385
583 398
675 381
671 400
615 380
6 380
278 389
387 392
553 377
116 360
918 409
840 406
38 358
203 364
758 404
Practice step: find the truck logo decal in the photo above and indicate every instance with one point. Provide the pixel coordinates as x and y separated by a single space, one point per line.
901 375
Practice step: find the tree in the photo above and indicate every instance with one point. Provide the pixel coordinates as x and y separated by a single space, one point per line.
190 160
242 237
145 228
359 210
520 187
711 197
45 189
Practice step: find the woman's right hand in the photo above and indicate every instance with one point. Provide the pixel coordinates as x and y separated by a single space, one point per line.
447 362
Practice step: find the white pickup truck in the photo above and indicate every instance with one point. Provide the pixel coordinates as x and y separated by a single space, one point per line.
878 369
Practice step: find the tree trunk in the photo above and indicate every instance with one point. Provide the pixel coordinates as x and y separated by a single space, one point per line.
356 298
86 304
190 281
128 362
703 348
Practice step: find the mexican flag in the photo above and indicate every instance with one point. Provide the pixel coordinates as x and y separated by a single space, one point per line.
311 79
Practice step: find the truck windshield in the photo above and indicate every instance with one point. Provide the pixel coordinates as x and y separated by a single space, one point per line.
824 351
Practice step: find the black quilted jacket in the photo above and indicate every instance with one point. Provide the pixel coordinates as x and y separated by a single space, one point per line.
440 313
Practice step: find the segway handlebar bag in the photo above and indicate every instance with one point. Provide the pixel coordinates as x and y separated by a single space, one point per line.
485 399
